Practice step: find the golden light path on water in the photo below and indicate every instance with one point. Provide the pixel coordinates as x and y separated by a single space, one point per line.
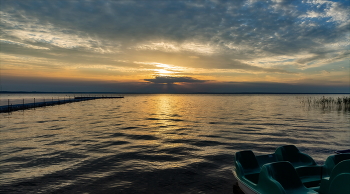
157 143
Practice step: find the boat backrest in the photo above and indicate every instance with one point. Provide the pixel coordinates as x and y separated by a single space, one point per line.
285 174
292 154
340 184
248 161
281 177
289 153
341 167
333 160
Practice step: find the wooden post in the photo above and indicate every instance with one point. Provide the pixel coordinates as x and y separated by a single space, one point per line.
8 105
34 103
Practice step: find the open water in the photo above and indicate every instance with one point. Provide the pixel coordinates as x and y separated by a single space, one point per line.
157 143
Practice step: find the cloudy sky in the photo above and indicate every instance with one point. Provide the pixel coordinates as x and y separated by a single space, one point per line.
175 46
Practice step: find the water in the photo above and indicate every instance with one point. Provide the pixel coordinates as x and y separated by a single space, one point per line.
157 143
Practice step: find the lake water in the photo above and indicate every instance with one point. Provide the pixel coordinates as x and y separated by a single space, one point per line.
157 143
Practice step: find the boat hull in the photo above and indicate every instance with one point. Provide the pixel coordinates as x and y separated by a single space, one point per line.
245 188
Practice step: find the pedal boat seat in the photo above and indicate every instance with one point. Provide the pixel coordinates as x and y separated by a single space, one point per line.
311 176
247 165
339 180
332 161
281 178
292 154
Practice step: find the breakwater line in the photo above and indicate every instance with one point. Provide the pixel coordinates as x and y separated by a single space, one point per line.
47 102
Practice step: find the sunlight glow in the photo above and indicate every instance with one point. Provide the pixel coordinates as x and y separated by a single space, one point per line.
162 69
163 72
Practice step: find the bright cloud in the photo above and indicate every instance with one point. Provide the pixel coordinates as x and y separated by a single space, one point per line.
199 48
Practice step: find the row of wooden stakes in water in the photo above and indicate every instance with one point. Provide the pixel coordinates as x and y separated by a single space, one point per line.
10 107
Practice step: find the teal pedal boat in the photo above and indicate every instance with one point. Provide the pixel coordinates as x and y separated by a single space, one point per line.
289 171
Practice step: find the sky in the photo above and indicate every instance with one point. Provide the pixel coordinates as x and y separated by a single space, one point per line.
168 46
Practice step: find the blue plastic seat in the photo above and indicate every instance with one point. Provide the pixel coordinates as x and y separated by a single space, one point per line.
340 184
248 165
292 154
281 178
332 161
312 175
338 181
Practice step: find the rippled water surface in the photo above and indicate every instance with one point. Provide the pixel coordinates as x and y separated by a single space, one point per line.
157 143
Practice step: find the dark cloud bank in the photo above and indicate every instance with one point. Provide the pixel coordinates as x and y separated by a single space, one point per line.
165 86
171 80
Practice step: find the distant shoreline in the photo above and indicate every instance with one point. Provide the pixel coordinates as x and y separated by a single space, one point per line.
40 92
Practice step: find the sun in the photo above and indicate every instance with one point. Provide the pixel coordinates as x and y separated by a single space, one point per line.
163 72
165 69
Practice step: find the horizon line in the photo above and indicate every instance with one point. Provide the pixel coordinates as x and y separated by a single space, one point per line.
179 92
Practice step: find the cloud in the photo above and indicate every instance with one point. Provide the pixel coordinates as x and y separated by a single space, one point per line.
175 26
22 44
193 47
29 30
171 80
198 38
322 58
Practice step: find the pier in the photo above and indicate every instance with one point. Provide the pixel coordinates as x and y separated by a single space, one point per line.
47 102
